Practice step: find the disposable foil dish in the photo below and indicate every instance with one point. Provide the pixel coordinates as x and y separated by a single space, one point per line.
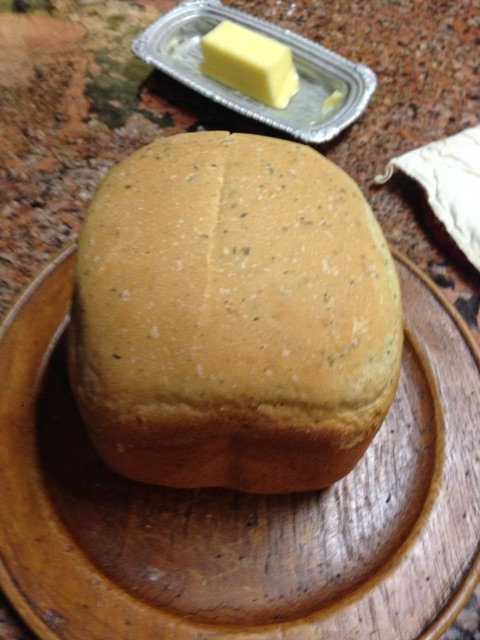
333 91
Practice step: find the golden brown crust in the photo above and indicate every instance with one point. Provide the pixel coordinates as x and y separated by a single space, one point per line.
235 301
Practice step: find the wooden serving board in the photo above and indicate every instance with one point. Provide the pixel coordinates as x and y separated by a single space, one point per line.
390 553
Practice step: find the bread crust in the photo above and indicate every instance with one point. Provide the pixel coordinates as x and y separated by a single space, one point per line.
236 319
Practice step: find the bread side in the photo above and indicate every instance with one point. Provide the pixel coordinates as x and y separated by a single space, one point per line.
237 317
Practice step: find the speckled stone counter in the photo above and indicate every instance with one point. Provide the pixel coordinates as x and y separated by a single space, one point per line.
74 101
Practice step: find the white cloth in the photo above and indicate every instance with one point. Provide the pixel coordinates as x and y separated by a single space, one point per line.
449 171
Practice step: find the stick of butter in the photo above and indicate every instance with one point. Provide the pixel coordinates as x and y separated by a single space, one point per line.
252 63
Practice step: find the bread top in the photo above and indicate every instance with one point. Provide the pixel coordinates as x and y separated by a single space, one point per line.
220 271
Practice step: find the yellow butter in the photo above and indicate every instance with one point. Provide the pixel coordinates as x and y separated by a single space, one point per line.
254 64
330 103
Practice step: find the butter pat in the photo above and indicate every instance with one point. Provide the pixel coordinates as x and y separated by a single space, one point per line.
249 62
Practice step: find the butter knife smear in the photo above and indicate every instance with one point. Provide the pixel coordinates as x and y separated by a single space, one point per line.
449 171
250 62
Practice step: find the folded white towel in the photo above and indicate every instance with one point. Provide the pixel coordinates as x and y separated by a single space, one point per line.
449 171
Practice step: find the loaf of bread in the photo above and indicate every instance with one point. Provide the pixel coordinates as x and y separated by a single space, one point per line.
236 320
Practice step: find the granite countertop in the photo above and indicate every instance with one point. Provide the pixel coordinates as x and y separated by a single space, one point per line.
74 101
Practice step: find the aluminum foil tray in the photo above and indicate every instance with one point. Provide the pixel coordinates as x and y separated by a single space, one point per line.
172 45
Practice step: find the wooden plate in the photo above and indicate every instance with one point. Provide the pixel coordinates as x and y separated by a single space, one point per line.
390 552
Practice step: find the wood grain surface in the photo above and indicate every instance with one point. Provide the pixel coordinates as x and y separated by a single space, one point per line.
390 552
